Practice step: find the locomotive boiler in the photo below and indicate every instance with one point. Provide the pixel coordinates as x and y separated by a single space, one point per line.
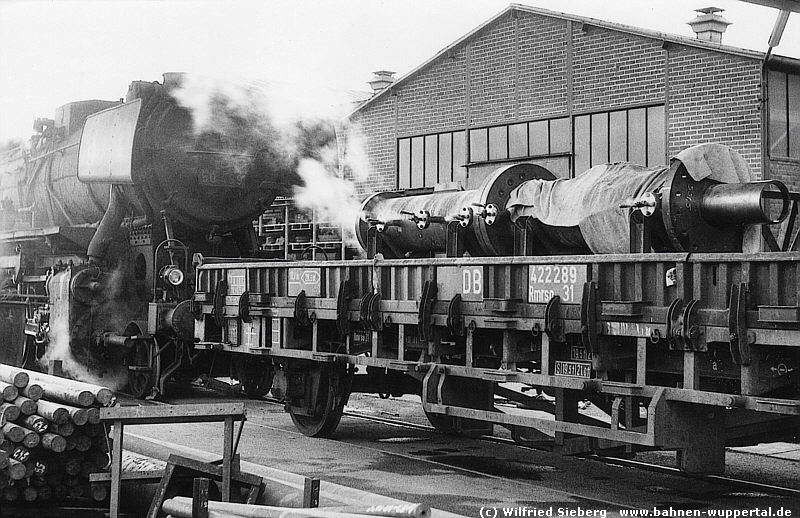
101 221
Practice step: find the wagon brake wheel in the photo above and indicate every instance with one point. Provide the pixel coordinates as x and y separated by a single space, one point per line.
327 412
255 376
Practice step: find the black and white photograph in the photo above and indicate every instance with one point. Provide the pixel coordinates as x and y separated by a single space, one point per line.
399 258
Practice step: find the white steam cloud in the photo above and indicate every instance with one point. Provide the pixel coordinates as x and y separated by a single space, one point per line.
332 198
304 122
58 348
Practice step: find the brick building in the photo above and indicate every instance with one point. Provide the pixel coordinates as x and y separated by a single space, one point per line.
569 92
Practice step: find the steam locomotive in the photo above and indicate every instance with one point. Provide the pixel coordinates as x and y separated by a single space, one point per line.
644 291
100 222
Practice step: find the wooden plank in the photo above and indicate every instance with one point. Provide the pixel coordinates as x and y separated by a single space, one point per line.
210 412
310 492
116 468
213 470
135 476
200 498
158 499
227 459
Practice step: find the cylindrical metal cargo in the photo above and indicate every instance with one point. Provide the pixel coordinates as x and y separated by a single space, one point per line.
745 203
587 214
419 223
709 216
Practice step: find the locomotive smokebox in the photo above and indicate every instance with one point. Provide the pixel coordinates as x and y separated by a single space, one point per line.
203 179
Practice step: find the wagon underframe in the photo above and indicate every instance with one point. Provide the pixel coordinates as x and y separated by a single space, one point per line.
681 351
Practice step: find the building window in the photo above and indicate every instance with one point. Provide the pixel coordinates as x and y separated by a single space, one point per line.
784 114
634 135
426 160
522 140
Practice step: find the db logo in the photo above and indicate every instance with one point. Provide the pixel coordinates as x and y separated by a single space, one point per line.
310 277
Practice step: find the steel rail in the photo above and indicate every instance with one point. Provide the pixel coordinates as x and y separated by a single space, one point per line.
576 496
648 466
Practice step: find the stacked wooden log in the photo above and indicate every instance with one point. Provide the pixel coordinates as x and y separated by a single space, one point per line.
51 437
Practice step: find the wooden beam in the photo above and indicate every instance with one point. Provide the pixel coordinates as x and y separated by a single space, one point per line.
165 414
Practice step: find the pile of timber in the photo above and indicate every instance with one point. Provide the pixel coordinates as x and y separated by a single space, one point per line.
51 437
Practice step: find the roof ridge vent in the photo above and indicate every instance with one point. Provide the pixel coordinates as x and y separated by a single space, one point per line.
709 25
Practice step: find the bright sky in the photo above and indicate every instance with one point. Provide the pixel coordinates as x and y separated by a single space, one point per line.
59 51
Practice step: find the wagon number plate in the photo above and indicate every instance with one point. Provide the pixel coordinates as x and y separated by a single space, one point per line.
574 369
548 280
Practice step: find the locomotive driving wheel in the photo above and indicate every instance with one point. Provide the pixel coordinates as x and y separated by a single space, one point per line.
327 410
255 375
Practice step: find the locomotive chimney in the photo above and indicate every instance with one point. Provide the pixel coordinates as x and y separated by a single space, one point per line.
382 79
709 25
173 80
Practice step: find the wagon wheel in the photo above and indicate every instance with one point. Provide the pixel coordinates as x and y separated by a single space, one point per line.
327 412
142 370
255 376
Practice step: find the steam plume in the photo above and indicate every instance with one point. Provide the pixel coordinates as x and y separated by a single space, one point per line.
303 123
332 198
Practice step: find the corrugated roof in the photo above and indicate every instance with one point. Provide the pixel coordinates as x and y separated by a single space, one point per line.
618 27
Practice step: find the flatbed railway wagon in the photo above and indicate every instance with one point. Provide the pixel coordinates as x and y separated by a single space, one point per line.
685 342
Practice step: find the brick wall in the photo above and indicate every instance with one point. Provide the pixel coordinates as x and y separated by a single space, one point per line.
542 66
714 97
612 69
434 99
517 67
492 74
376 124
787 171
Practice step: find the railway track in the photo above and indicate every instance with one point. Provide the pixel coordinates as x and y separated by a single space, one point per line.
725 481
576 497
740 484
